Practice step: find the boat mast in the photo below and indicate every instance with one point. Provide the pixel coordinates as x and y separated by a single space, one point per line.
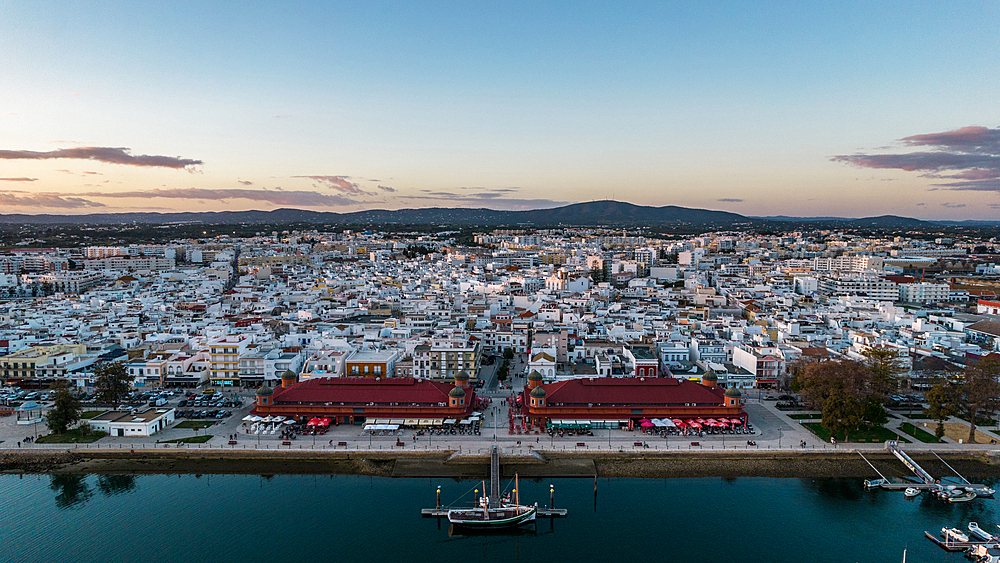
517 491
486 507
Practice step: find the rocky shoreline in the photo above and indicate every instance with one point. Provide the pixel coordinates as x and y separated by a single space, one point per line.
787 464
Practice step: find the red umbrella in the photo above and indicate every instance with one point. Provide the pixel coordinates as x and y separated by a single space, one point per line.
646 424
325 422
313 422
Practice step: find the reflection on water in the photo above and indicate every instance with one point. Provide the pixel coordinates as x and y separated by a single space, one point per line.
70 517
115 484
72 490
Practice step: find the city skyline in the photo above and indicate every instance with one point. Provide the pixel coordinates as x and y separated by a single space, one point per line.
842 110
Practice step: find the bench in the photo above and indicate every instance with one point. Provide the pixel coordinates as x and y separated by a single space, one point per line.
696 443
400 443
581 444
232 442
286 443
637 444
341 443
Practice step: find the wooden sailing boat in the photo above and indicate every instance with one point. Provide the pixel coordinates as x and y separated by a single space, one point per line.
494 513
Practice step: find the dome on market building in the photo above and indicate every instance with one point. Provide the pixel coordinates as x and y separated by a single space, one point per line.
456 392
534 376
538 393
264 391
733 393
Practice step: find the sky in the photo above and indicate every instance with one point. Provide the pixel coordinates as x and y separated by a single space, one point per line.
848 109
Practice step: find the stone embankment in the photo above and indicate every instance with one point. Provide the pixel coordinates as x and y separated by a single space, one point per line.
792 464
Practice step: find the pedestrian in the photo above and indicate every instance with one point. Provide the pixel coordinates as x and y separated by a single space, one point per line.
19 443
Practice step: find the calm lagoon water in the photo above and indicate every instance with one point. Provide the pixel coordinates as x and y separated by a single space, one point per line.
236 518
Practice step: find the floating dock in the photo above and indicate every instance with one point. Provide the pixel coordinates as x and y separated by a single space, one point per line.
953 545
540 513
927 481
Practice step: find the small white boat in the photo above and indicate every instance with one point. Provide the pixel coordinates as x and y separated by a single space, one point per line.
983 491
910 492
875 483
964 496
953 535
980 533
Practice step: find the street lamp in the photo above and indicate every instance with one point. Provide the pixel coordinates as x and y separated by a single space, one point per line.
779 437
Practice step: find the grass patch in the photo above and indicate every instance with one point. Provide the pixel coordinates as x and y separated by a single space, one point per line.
190 440
87 415
870 434
195 424
919 433
806 416
74 436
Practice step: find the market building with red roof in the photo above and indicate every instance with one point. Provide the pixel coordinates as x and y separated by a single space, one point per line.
354 400
623 399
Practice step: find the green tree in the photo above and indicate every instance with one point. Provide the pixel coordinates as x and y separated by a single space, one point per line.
979 392
508 354
940 406
842 413
112 382
65 410
886 364
847 392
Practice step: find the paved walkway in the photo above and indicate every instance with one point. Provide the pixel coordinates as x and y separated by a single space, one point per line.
775 430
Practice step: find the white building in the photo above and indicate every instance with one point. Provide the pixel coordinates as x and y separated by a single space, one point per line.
129 423
924 292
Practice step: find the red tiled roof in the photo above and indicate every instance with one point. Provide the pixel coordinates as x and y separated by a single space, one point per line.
631 391
403 390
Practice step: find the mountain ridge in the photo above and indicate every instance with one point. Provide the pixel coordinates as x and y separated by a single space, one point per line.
591 213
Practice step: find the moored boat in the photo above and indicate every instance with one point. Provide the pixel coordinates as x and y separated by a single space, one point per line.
963 496
952 535
980 533
910 492
502 515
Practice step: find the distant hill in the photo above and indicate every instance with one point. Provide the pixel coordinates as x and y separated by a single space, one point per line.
592 213
881 221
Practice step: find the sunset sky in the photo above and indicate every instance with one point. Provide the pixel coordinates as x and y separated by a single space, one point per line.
761 108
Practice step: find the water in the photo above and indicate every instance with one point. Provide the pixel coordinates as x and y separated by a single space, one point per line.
235 518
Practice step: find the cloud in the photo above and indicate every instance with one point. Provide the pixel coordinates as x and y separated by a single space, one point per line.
21 179
342 184
276 196
920 204
729 200
950 205
111 155
46 200
969 154
386 189
245 182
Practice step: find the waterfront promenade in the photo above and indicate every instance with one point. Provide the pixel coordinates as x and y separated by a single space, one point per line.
775 431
